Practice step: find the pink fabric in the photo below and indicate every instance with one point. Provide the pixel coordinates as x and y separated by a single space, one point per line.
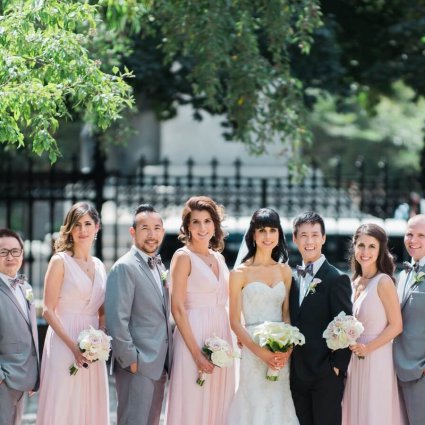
82 399
206 300
371 393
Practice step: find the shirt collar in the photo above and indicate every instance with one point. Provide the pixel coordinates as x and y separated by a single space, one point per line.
6 278
142 253
319 262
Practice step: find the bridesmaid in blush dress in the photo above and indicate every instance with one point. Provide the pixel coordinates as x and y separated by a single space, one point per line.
371 394
73 300
199 296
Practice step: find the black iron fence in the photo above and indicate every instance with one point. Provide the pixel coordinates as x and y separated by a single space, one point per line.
33 200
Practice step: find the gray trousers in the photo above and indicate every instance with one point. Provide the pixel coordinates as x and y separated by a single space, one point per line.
413 396
139 398
11 405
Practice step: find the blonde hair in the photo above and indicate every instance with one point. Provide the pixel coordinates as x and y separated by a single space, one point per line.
64 242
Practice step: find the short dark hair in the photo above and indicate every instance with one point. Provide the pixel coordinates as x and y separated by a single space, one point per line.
266 217
143 208
310 217
7 233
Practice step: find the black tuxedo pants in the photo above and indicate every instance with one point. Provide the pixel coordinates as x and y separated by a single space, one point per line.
318 402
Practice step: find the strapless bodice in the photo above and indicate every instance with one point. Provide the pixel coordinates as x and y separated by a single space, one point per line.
261 302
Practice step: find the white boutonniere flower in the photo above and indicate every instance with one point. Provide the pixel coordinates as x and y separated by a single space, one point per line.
164 278
313 284
29 295
418 279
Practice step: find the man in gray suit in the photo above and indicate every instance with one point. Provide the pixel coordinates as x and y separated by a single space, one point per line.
137 312
19 368
409 346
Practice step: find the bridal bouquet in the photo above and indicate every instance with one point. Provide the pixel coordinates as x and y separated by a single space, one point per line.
277 336
219 352
94 344
342 331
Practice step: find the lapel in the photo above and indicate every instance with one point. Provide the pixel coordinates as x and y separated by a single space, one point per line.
166 290
146 272
408 291
9 293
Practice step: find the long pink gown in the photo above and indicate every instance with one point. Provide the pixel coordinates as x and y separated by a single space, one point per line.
82 399
205 303
371 393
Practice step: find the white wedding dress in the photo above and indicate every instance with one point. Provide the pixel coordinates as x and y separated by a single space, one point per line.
259 401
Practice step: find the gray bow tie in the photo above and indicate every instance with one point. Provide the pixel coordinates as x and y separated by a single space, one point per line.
20 279
302 271
154 261
409 267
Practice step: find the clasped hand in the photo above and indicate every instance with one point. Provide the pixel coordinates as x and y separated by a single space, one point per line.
360 350
276 360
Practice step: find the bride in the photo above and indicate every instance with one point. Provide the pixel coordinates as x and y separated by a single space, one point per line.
259 289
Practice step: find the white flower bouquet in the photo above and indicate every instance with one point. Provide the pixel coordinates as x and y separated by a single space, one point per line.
277 337
94 344
219 352
343 331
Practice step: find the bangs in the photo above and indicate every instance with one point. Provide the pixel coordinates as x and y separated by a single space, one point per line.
266 218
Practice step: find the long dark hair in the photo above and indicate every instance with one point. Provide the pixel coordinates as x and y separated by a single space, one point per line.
266 217
385 261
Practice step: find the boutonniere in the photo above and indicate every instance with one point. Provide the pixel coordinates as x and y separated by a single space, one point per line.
313 284
164 278
29 295
417 279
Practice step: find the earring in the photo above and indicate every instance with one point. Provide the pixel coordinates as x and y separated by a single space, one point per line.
95 236
189 235
253 243
71 240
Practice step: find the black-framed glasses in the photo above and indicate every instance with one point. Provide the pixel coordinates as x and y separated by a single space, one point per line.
15 252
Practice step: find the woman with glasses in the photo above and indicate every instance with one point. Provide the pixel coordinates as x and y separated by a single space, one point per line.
74 291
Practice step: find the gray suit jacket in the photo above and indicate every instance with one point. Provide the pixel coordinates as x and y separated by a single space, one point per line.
19 366
137 317
409 346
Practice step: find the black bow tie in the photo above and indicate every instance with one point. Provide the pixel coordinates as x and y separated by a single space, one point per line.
154 261
409 267
18 280
302 271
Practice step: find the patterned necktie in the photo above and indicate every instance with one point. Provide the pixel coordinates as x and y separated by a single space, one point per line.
154 261
18 280
408 267
302 271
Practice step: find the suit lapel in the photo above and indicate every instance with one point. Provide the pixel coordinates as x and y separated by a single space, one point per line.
144 268
9 293
409 290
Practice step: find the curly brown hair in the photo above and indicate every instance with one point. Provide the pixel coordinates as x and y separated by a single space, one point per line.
78 210
216 211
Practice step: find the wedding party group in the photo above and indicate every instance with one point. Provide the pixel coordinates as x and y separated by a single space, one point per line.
314 346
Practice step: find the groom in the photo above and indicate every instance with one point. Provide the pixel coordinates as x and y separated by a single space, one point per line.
319 294
137 312
409 346
19 368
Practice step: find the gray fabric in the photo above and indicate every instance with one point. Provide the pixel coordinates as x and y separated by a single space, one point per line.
137 316
409 346
19 366
11 405
413 393
139 398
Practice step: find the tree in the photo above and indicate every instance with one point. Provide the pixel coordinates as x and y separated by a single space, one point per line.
46 73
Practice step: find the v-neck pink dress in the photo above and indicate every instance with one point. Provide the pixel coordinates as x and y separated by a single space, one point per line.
82 399
205 304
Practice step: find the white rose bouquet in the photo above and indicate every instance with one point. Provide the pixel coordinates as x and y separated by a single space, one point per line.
219 352
277 337
94 344
343 331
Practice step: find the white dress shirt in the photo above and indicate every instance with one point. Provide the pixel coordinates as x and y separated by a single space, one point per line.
154 271
410 279
305 281
17 292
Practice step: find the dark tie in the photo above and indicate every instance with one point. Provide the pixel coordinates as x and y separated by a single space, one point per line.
154 261
409 267
18 280
302 271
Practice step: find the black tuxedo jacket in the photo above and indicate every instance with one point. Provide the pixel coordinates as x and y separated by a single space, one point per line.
314 360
